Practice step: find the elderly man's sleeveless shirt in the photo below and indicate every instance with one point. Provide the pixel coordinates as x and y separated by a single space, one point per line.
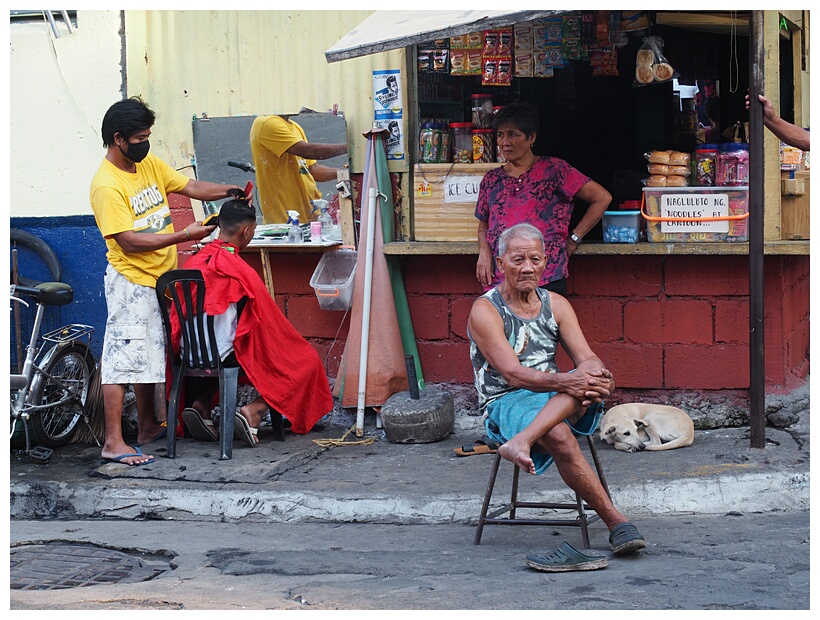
534 341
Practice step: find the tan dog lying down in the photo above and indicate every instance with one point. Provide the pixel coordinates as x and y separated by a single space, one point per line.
643 426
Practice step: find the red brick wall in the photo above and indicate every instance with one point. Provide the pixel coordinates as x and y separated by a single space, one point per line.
674 323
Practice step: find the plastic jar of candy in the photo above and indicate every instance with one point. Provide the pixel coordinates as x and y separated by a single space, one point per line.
462 142
482 111
732 166
705 164
444 151
429 143
483 146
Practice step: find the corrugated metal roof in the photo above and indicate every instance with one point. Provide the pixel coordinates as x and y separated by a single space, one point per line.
236 63
387 30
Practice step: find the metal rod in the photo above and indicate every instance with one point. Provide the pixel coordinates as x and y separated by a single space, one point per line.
67 22
51 23
757 356
410 363
368 291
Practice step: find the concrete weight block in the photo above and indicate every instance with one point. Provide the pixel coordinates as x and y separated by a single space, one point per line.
426 419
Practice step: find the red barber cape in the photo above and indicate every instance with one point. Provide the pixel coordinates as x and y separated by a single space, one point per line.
283 367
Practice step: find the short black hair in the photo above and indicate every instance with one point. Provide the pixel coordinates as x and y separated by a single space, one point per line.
235 213
126 117
525 116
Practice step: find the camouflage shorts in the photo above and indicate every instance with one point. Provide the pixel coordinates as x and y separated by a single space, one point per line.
134 343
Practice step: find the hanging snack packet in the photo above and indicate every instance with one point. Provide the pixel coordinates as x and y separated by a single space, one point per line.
651 65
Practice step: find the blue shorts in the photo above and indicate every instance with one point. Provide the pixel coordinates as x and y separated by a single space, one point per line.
512 413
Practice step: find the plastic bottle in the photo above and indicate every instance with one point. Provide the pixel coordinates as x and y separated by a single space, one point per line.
295 232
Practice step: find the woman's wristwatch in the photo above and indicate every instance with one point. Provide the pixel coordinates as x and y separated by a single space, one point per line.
575 237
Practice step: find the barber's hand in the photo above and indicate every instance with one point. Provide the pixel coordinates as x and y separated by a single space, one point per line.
198 231
484 268
571 247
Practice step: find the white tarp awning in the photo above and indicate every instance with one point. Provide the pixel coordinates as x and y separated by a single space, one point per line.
388 30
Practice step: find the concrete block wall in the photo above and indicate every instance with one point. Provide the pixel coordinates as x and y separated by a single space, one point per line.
673 322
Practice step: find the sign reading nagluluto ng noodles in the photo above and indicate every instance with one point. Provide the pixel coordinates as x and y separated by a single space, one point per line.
387 110
688 209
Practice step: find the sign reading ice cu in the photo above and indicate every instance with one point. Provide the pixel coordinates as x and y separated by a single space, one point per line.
461 189
688 213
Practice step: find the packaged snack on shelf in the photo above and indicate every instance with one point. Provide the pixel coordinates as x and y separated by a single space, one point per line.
522 38
524 65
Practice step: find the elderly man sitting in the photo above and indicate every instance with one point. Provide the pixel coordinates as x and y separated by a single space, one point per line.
528 406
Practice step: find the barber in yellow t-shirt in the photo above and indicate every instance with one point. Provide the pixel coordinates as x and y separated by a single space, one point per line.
129 197
286 167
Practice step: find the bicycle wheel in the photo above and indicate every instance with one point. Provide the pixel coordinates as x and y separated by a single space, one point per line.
70 369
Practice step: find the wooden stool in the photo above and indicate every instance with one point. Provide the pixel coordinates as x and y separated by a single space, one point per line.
582 520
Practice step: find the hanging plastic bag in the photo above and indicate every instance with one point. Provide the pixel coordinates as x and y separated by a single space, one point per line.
651 66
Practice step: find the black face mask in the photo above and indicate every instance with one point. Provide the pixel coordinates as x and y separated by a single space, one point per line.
137 152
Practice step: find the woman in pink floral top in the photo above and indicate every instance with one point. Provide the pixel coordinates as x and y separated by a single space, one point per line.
536 190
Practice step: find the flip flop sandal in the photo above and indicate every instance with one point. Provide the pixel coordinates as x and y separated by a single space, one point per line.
244 431
625 539
200 428
564 559
485 445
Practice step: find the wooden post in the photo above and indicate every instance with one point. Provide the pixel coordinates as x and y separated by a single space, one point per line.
347 221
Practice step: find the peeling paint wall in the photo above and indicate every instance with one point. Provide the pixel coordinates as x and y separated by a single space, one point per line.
59 91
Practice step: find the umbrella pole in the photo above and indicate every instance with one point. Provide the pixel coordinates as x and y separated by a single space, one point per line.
368 291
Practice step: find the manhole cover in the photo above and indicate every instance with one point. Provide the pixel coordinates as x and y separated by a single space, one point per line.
55 566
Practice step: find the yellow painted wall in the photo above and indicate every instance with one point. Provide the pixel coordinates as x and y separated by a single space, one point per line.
227 63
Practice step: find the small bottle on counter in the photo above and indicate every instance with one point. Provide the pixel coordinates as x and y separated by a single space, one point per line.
295 232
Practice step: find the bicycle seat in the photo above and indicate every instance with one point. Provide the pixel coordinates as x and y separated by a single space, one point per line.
55 293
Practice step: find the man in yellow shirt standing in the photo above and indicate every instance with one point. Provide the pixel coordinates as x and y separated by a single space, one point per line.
129 197
286 167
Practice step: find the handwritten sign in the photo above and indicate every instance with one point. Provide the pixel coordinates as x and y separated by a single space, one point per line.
461 189
690 208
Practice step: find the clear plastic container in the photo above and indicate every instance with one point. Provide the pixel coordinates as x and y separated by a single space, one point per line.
732 168
622 226
462 142
444 152
332 280
482 110
705 164
483 146
429 143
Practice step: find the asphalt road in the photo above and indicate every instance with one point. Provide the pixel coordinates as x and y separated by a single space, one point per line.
751 561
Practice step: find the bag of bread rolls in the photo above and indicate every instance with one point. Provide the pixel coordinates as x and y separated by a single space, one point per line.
678 158
658 70
644 74
681 171
645 58
658 157
656 180
658 169
674 180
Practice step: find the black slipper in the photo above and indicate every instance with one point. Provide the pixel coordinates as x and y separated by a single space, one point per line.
485 445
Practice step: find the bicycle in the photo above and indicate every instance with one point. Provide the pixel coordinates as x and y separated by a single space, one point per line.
49 395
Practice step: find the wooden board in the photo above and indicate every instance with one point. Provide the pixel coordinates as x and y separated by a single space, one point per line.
794 210
444 199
